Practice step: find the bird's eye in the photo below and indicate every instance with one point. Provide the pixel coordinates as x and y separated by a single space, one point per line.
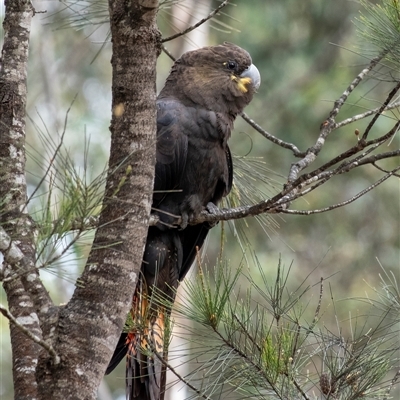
231 65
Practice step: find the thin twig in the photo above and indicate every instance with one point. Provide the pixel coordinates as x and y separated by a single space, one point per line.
32 336
361 145
384 170
329 124
300 389
357 117
271 137
343 98
381 109
245 331
318 309
168 53
257 367
376 157
323 177
344 203
180 377
201 22
392 383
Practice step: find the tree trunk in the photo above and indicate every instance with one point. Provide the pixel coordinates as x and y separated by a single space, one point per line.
84 332
26 296
90 324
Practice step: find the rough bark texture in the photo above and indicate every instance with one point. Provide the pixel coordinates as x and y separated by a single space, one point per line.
84 332
26 296
90 324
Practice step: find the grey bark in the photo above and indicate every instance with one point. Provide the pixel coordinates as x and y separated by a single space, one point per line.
90 324
84 332
24 307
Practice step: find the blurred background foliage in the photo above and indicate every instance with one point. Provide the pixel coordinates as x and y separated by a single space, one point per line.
307 53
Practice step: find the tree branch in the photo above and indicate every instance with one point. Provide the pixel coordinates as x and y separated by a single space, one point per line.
271 137
329 124
344 203
27 332
168 53
27 297
343 98
381 109
180 377
357 117
107 283
201 22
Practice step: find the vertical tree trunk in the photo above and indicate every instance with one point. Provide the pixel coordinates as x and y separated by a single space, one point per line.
13 216
90 324
84 332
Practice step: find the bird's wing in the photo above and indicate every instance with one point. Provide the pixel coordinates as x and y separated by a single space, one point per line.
172 148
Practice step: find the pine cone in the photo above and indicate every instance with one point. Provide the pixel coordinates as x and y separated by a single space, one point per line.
327 384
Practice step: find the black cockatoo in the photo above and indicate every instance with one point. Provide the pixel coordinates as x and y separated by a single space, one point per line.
204 92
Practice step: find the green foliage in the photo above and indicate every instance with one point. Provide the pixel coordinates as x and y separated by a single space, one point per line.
208 298
65 204
381 27
82 13
247 348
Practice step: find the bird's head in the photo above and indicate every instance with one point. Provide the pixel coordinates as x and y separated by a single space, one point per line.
219 78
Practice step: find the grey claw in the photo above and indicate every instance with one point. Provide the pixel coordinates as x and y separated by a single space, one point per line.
213 210
184 221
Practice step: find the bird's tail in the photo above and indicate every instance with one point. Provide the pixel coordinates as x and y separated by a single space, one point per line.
146 346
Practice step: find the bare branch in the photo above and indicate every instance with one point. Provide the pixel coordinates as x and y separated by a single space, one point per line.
361 145
318 309
384 170
180 377
30 335
357 117
376 157
272 138
168 53
344 203
392 383
329 125
277 203
381 109
343 98
201 22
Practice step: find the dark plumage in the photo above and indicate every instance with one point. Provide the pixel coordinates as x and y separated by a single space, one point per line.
196 109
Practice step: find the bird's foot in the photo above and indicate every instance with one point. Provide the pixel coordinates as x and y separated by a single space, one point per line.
184 221
213 210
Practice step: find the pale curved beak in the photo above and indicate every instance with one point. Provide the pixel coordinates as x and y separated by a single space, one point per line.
252 73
